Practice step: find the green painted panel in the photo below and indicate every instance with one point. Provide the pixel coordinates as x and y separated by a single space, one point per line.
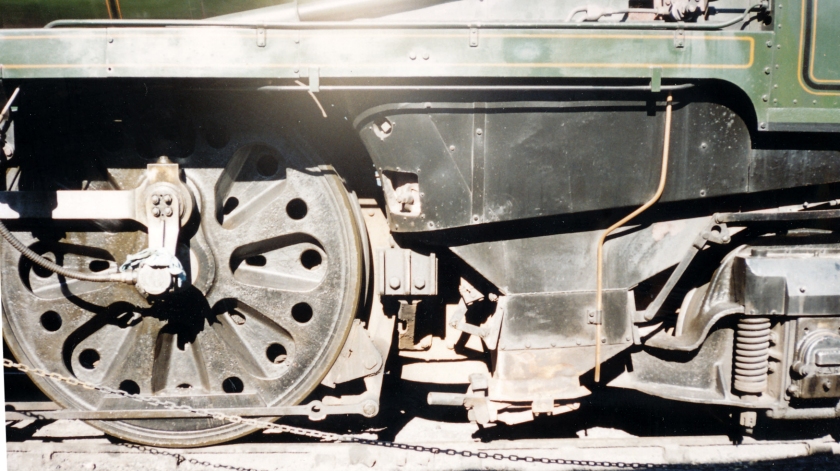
37 13
825 58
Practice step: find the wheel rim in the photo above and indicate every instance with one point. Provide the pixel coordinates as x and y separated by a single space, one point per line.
275 257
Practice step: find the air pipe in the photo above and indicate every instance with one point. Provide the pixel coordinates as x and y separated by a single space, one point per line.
599 290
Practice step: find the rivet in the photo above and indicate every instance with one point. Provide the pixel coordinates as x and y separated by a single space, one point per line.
296 70
412 55
627 338
479 131
765 97
802 289
475 218
763 125
604 340
426 56
527 344
371 213
110 40
769 43
577 341
795 102
767 70
451 148
553 344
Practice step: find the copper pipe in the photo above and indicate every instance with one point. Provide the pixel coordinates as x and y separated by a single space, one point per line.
599 291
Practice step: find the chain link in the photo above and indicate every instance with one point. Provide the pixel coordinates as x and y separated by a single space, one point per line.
326 436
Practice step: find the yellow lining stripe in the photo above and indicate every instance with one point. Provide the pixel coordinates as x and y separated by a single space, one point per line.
814 49
801 54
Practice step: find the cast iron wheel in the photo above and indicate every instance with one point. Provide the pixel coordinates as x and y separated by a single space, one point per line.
276 259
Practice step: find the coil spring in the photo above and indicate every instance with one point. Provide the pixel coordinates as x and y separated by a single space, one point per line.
752 353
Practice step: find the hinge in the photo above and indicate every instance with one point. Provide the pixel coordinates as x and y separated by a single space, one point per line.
679 38
260 37
594 316
473 37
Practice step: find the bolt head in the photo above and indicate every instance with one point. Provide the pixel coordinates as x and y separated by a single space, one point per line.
370 409
154 281
167 199
155 212
394 282
155 199
168 212
419 283
826 385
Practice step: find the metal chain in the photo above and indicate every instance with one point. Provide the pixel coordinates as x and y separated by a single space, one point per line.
327 436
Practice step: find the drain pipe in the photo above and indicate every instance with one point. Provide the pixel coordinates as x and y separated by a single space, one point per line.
599 290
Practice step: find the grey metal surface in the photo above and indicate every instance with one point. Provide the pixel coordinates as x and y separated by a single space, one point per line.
540 142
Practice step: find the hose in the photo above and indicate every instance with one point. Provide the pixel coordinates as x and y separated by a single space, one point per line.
45 263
